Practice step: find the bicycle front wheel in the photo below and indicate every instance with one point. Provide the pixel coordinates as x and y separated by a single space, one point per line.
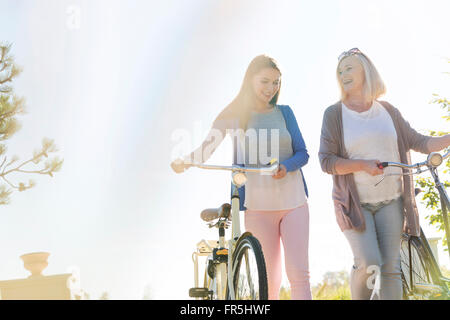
249 277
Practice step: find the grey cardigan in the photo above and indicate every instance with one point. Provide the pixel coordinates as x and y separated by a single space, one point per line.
345 196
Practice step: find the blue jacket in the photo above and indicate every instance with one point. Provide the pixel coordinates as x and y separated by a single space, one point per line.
296 162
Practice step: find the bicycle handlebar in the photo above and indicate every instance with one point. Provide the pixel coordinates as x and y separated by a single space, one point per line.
402 165
272 168
433 156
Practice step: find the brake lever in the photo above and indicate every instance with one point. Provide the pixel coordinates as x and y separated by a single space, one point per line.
382 165
400 174
379 181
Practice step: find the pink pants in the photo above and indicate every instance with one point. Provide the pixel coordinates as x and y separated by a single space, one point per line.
292 226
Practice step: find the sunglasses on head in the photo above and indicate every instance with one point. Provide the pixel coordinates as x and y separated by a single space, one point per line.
348 53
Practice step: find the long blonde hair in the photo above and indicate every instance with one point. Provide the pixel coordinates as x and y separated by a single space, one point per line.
241 105
374 86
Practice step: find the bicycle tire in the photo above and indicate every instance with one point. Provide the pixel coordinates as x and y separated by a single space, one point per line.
248 261
416 253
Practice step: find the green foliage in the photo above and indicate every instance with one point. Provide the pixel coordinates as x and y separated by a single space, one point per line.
104 296
334 286
147 293
445 272
285 293
430 196
445 105
12 106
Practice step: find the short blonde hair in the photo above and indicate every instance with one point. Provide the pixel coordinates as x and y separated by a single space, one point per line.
373 85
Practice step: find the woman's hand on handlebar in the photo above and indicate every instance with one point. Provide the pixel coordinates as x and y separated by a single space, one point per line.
371 167
179 165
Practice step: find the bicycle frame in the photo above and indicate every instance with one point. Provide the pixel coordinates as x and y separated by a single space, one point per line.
445 204
235 235
443 196
433 161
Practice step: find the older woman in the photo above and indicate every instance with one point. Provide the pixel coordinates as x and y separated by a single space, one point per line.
358 132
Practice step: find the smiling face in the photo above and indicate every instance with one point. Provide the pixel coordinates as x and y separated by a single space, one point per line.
266 84
351 75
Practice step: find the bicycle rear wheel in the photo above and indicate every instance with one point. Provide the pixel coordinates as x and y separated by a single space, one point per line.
249 277
420 272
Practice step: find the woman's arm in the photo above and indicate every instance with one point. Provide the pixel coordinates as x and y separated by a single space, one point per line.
206 149
436 144
300 155
216 135
346 166
422 143
329 149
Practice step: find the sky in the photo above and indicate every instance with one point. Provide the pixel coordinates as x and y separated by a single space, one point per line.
111 81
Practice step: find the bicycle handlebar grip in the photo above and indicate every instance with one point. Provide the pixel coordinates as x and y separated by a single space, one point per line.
383 165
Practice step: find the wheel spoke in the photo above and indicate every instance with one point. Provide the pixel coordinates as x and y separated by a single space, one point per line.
418 267
249 276
248 271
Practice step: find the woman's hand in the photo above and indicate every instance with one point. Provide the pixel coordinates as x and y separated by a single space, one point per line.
281 173
179 166
371 167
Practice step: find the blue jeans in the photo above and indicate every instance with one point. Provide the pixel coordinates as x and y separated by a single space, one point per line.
377 250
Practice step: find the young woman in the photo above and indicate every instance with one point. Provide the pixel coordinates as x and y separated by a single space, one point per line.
275 206
357 133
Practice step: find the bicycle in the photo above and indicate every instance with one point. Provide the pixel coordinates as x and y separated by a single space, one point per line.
235 269
421 275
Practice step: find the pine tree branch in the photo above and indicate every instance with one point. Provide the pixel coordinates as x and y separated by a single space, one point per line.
8 79
10 184
4 160
8 115
5 48
35 171
5 89
5 65
10 107
17 168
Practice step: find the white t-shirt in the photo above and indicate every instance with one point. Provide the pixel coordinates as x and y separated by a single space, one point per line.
371 135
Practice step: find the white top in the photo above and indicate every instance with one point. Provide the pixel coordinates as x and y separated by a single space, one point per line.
371 135
262 192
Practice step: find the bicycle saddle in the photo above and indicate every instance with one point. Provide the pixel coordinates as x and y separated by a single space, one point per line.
224 211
